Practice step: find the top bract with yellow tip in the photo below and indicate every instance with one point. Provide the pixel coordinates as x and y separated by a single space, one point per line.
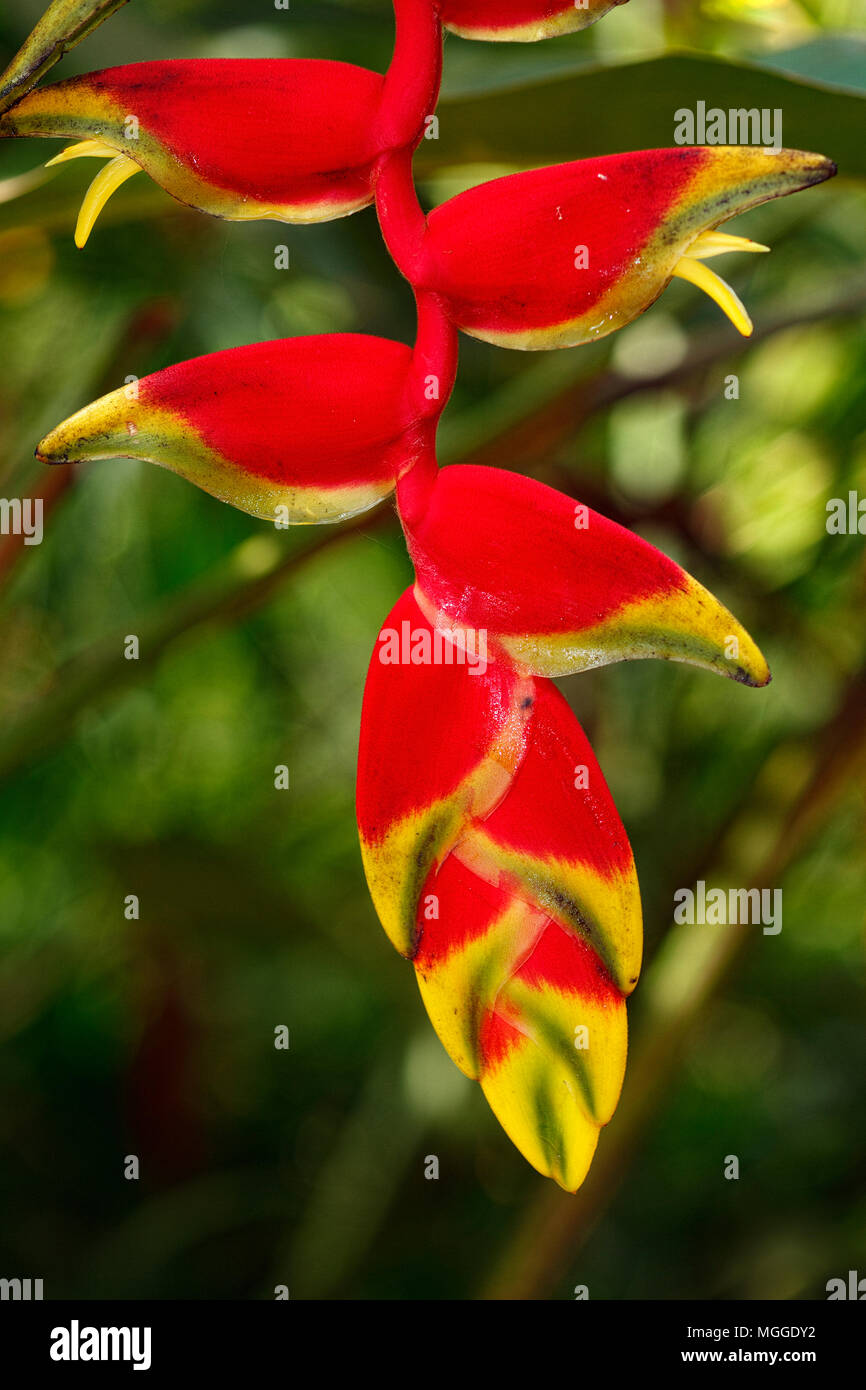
293 140
560 256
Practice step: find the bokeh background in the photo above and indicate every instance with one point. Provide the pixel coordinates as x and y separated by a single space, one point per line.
156 778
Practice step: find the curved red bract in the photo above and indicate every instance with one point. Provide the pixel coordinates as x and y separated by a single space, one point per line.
507 881
426 724
478 905
504 252
337 400
497 550
492 19
272 128
562 824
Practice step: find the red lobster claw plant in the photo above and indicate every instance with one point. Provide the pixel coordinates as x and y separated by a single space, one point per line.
493 851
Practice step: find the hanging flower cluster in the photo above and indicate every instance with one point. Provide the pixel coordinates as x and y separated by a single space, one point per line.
493 851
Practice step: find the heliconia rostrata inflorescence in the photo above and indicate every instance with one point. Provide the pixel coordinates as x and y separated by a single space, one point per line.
493 851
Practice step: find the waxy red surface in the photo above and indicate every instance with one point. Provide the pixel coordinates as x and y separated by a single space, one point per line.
287 130
468 907
504 14
423 728
563 961
548 811
314 411
504 252
500 551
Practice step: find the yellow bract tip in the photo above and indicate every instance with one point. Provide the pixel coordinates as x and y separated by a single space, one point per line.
719 243
712 284
90 149
107 181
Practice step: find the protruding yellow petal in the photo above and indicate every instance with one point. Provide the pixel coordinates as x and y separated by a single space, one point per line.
95 149
106 182
712 284
719 243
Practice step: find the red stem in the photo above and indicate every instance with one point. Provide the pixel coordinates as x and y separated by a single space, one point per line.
431 379
415 486
412 81
403 223
434 357
410 94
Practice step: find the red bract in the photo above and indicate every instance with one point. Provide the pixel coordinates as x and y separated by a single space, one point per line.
557 587
438 745
521 21
320 427
499 866
559 256
292 139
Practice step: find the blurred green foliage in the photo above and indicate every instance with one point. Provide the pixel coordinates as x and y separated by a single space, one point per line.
155 1036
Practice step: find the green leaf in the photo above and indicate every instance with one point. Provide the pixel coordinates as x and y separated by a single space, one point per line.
592 109
833 60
